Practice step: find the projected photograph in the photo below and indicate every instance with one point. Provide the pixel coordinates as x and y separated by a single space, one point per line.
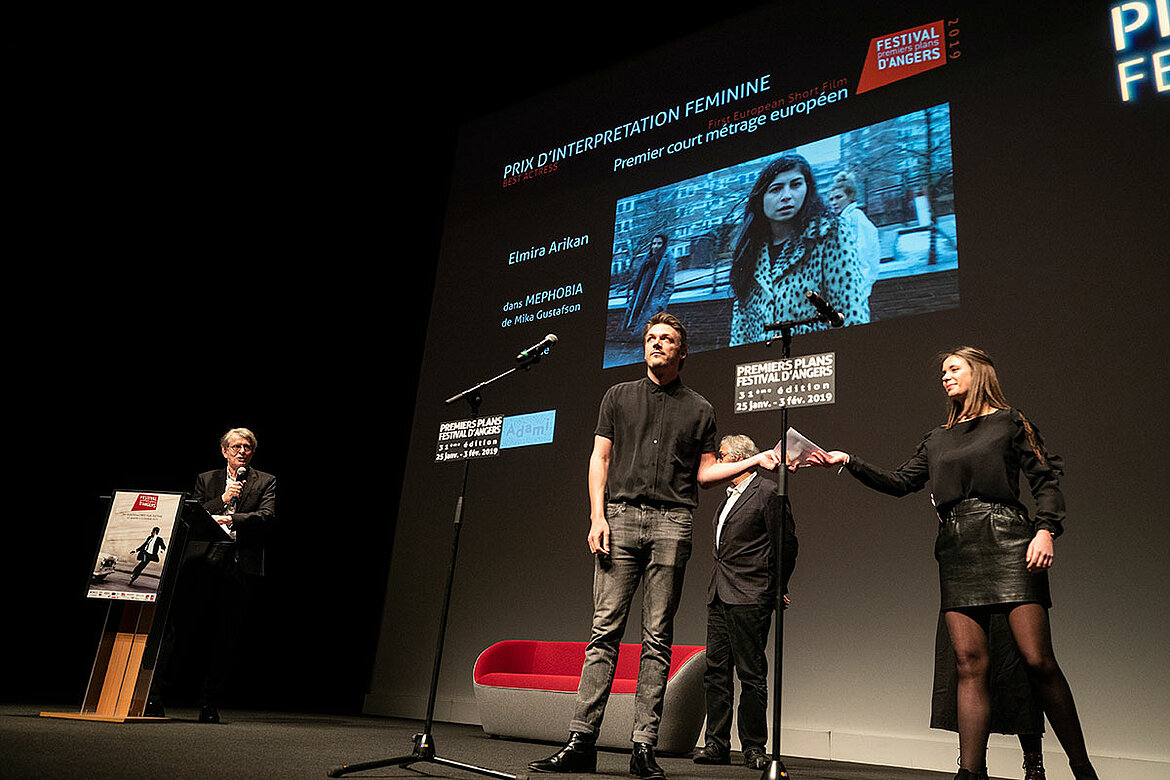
865 219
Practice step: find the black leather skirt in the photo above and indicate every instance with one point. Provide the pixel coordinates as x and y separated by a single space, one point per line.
981 550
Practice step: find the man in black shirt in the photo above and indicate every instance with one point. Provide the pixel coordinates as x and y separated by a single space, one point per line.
653 447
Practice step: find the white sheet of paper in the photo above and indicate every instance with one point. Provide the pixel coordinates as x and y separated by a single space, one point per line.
225 527
798 448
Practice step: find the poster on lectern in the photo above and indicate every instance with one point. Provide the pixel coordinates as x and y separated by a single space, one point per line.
133 551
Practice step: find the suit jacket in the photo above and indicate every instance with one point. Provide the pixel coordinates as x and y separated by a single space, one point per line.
144 555
742 571
255 510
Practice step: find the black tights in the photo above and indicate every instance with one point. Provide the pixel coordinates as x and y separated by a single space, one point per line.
1029 625
1032 743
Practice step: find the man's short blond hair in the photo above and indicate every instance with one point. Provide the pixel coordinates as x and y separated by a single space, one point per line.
244 432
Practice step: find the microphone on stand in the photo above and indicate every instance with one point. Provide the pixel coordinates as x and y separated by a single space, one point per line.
534 353
827 312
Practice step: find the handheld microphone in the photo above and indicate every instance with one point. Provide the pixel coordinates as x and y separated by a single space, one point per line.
827 312
241 475
533 353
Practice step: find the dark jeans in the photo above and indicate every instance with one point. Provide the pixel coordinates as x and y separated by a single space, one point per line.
737 638
648 546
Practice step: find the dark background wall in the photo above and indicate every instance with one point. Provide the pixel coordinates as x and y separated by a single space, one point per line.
227 212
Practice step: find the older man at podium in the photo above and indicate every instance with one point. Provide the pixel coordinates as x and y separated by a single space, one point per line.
219 578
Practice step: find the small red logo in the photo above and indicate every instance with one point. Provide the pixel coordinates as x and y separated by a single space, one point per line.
144 502
901 55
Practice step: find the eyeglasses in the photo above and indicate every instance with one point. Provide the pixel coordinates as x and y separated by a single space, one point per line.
240 448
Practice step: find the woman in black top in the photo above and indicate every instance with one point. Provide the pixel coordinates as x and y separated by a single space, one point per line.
992 557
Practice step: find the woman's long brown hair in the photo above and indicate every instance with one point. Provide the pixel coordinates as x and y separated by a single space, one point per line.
984 392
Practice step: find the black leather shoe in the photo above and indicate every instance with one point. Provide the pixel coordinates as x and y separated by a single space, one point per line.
642 763
208 714
580 755
754 758
712 754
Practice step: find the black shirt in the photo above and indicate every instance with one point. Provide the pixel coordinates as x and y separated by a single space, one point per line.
658 435
979 458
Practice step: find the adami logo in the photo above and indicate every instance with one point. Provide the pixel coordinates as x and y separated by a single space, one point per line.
144 503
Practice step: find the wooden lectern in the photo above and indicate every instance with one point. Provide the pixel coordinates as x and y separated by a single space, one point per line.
123 668
120 682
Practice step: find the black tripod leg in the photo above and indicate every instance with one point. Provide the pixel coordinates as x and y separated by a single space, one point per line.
472 768
408 760
345 769
424 750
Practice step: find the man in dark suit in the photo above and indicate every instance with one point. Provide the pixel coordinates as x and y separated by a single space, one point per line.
148 552
740 600
242 500
219 578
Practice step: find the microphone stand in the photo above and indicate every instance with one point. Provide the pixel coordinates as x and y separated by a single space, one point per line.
776 770
424 743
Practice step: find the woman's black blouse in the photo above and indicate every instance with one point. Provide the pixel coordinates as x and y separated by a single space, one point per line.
980 458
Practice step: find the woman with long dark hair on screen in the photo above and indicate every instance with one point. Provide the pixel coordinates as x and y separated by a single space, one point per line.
992 557
788 242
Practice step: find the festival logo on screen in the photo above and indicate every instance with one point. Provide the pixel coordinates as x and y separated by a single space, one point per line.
1140 30
145 503
903 54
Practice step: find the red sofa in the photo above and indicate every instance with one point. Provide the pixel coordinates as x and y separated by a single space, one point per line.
527 689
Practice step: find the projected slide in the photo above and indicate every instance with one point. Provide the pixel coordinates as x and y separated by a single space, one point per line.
878 239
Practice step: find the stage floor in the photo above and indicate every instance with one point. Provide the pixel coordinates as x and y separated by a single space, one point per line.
257 745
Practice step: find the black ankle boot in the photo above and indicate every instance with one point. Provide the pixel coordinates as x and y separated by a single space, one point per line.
1034 766
971 774
579 755
642 763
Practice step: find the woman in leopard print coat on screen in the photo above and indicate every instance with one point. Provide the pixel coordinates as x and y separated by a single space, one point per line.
789 243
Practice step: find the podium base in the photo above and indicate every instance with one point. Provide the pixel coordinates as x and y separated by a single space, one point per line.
103 718
120 680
